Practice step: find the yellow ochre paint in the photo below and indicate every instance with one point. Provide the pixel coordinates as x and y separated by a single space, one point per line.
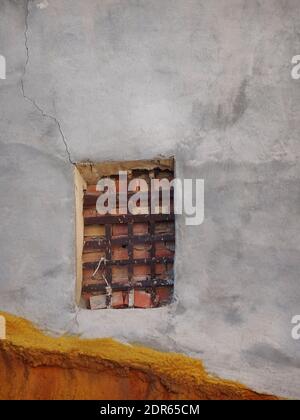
34 365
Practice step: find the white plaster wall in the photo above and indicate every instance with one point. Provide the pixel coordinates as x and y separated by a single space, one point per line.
208 81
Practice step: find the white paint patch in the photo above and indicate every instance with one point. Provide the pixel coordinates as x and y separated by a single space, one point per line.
43 5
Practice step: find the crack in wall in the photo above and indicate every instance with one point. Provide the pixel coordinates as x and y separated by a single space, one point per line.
31 100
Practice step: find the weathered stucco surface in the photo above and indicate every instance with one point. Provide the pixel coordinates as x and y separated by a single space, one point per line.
207 81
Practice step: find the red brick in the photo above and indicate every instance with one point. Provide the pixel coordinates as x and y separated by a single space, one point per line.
120 274
92 189
141 251
93 256
164 227
142 299
140 272
93 282
140 228
163 295
163 251
87 274
160 268
163 270
119 299
119 230
119 253
90 212
93 230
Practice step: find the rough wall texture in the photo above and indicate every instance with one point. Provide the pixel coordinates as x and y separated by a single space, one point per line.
208 81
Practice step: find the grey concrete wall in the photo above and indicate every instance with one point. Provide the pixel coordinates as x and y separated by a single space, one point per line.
208 81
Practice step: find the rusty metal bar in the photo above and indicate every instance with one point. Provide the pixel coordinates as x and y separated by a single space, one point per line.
141 261
92 288
130 251
127 218
153 248
108 253
101 242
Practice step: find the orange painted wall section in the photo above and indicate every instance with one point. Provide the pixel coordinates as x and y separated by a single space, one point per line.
35 366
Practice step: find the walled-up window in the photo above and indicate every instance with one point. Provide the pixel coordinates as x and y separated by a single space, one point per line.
125 255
